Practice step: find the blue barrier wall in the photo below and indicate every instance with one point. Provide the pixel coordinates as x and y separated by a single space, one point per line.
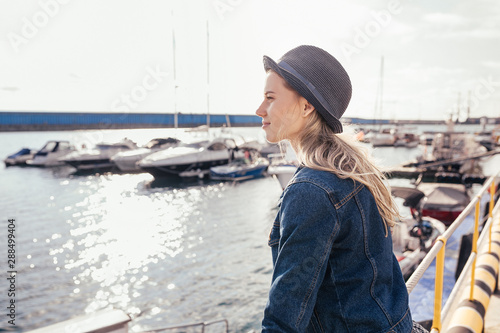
40 121
80 120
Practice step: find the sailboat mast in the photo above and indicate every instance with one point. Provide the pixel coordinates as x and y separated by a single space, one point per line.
208 79
468 105
377 114
176 121
381 85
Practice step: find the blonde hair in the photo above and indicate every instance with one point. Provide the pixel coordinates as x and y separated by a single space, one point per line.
318 147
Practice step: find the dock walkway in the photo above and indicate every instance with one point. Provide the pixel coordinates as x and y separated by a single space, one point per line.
473 304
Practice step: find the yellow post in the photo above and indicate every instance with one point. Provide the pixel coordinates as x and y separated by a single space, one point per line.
438 286
474 249
492 202
492 196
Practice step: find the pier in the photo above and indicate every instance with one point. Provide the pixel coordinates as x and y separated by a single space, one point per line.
476 308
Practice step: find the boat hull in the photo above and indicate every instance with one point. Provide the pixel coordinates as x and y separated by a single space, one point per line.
197 169
283 173
238 173
43 161
19 160
91 165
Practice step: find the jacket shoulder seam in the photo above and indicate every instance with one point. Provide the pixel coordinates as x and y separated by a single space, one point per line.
356 190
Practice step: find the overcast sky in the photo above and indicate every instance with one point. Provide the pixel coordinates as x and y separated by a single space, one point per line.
118 55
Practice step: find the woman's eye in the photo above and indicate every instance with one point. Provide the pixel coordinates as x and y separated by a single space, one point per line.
269 98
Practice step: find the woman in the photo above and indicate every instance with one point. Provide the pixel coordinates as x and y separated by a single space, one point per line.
334 269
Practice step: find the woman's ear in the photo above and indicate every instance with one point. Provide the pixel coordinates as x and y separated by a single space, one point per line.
307 108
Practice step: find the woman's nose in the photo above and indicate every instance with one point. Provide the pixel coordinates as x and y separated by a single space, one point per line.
261 112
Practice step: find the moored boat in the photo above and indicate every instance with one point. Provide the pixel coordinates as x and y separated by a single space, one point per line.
51 153
283 172
127 160
19 158
452 150
490 139
283 165
241 169
191 159
384 138
407 140
441 201
98 158
412 238
414 235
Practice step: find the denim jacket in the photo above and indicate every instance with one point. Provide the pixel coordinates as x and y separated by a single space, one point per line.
334 269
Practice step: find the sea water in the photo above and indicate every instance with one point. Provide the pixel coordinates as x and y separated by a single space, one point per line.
165 255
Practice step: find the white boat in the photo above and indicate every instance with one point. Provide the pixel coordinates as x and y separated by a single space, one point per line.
414 235
50 154
282 169
268 149
490 139
191 159
407 140
283 165
127 160
412 238
454 145
282 172
19 158
451 150
98 158
384 138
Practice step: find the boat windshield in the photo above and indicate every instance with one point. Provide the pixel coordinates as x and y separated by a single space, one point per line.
111 146
160 141
50 146
24 151
217 146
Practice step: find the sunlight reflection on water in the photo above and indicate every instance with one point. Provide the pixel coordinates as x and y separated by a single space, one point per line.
163 253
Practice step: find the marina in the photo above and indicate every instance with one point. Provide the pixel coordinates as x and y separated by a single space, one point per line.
163 253
138 192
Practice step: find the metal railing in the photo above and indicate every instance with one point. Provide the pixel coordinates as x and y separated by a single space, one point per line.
438 252
192 325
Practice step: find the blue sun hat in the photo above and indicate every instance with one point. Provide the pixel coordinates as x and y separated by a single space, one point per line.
318 77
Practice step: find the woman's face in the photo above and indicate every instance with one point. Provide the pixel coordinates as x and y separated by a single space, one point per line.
283 110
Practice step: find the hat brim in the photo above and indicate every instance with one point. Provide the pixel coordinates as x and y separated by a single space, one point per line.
299 86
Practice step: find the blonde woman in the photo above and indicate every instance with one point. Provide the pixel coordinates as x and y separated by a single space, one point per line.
334 269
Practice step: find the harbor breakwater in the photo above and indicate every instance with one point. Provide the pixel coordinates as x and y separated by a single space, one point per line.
64 121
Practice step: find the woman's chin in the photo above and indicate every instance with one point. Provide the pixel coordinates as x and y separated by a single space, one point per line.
271 135
272 139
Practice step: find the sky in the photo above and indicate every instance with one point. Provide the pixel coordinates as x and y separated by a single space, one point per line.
197 56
